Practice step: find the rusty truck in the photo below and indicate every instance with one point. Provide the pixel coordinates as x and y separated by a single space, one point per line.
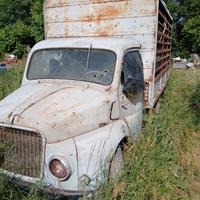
83 92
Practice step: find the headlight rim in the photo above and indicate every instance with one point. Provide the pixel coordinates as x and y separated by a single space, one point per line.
64 162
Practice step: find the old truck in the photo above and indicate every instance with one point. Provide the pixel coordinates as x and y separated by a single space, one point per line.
83 92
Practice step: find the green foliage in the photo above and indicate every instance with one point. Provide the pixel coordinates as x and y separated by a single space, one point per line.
21 25
10 189
12 11
186 14
37 20
15 38
192 30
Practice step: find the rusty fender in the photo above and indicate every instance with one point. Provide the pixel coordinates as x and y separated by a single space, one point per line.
96 148
89 155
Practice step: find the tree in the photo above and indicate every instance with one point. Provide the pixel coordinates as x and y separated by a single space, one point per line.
15 38
191 24
12 11
37 20
21 25
186 14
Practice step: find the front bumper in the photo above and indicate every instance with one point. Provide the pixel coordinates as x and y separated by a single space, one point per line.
53 192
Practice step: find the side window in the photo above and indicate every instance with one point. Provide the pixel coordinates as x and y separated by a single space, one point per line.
132 78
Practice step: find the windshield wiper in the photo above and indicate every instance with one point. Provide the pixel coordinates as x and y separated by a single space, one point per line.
88 57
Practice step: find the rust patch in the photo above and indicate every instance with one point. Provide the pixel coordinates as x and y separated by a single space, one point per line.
46 17
107 101
102 33
148 12
150 79
103 13
74 114
99 1
54 125
19 117
109 89
66 30
10 115
146 94
90 17
111 12
101 125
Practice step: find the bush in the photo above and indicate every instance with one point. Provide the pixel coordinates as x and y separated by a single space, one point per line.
16 38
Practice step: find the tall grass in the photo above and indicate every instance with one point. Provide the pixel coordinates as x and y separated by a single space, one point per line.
163 164
10 80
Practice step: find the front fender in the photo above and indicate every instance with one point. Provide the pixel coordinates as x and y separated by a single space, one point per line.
67 150
95 150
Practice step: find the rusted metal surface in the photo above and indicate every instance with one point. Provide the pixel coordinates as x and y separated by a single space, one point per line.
21 151
146 94
160 83
50 115
99 18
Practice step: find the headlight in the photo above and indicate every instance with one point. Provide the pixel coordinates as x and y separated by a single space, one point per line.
60 168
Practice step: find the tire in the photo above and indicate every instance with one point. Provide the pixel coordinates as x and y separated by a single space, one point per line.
157 107
116 165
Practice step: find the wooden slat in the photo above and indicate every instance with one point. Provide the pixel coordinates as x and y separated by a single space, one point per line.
164 43
165 19
163 58
162 72
164 35
163 65
163 51
170 31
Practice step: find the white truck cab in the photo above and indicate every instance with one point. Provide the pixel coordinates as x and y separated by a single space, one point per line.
84 96
83 93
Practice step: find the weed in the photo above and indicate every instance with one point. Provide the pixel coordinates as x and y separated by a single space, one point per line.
10 80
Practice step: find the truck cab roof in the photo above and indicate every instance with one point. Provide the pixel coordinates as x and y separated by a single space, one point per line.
115 44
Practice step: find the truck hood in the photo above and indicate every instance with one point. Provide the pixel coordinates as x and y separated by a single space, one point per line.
58 111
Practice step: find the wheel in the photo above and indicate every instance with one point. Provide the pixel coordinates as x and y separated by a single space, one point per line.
116 164
156 108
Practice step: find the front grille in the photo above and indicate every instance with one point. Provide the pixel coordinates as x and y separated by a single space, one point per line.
20 151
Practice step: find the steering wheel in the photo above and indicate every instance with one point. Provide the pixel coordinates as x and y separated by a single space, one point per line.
99 76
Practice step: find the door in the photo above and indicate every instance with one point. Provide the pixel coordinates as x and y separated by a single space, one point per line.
131 91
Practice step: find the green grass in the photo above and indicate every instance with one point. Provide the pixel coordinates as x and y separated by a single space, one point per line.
161 165
164 163
10 80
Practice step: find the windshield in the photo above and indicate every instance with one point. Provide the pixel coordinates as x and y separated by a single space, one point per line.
92 65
